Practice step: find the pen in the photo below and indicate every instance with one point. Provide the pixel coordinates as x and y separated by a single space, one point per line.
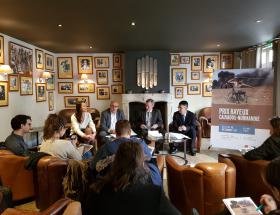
260 207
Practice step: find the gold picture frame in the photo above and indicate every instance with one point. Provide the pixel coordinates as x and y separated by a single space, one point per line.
4 94
195 75
86 87
85 65
210 63
194 89
117 75
51 100
26 85
101 62
13 82
117 61
179 76
41 92
39 59
207 89
179 92
226 60
102 77
103 93
51 82
174 59
2 59
185 60
49 62
65 87
65 67
196 63
71 101
117 89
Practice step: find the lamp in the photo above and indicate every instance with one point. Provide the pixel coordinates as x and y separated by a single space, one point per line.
45 75
6 69
84 77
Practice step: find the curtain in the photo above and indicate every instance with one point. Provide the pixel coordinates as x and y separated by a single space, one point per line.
276 66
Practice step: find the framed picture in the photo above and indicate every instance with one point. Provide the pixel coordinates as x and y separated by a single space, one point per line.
174 59
65 67
195 75
210 63
20 59
226 61
196 62
4 95
103 93
101 62
49 61
179 77
26 85
65 87
179 92
86 87
84 65
117 75
117 89
102 77
185 59
13 83
51 82
207 89
71 101
117 61
2 59
39 59
51 101
194 89
41 92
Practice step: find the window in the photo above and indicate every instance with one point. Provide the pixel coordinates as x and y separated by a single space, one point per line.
266 56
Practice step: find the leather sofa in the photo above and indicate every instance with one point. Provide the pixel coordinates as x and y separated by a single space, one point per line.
204 117
202 187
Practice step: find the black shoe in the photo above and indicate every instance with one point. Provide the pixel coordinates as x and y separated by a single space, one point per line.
192 153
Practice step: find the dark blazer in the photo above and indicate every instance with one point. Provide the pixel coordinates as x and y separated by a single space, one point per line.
156 118
190 121
106 119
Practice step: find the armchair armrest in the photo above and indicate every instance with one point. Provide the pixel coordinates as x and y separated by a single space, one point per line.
203 119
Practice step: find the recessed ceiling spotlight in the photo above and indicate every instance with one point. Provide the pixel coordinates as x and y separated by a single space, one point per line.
218 45
133 23
90 47
59 25
258 21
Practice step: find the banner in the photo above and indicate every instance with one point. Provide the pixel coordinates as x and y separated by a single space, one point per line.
242 105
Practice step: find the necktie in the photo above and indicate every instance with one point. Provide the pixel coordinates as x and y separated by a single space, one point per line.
183 118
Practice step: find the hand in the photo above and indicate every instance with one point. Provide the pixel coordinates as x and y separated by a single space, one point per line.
268 203
180 128
111 131
155 126
184 128
142 126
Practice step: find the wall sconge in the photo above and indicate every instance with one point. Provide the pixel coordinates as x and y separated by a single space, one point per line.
84 78
6 69
44 76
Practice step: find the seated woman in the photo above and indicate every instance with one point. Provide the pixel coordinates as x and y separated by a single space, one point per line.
270 149
127 188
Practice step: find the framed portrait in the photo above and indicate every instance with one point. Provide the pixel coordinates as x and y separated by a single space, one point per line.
117 89
195 75
226 61
117 75
13 83
196 62
51 101
2 59
86 87
26 85
207 89
174 59
84 65
185 59
71 101
41 92
117 61
65 87
39 59
65 67
194 89
49 62
179 76
51 82
4 95
101 62
210 63
20 59
102 77
103 93
179 92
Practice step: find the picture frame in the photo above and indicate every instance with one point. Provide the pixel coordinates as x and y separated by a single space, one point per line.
101 62
13 83
71 101
86 87
179 92
226 60
26 85
196 63
117 89
207 89
117 75
194 89
174 59
49 62
51 100
2 59
185 60
102 77
51 82
117 61
65 67
85 65
4 94
210 62
179 76
41 92
195 75
20 59
103 93
39 59
65 87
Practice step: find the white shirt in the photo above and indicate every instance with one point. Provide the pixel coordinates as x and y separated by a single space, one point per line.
113 121
87 122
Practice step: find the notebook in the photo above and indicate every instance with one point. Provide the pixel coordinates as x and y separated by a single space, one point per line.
241 206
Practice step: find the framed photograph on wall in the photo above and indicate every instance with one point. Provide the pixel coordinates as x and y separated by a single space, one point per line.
117 75
194 89
179 92
4 95
210 63
51 101
179 76
196 62
195 75
71 101
39 59
51 82
103 93
185 59
26 85
65 67
13 83
117 61
174 59
2 59
49 62
65 87
207 89
84 65
226 60
41 92
102 77
117 89
86 87
101 62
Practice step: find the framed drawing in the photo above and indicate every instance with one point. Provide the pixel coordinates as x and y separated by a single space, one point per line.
179 92
39 59
196 62
51 82
65 67
13 83
195 75
226 61
174 59
49 62
65 87
207 89
117 89
179 77
194 89
117 61
210 63
86 87
185 59
20 59
101 62
51 101
4 95
41 92
26 85
117 75
103 93
2 59
71 101
102 77
84 65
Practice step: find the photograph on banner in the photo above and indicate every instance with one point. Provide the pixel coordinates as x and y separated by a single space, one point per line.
242 105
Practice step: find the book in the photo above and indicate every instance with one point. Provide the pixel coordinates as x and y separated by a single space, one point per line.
241 206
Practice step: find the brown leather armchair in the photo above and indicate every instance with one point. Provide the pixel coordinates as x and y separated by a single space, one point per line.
202 187
204 117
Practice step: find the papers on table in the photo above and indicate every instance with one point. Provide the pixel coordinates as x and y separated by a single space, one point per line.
152 135
177 136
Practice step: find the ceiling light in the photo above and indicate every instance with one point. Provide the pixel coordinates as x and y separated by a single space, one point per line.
90 47
218 45
133 24
258 21
59 25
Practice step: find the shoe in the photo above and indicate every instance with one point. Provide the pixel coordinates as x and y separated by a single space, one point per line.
192 153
